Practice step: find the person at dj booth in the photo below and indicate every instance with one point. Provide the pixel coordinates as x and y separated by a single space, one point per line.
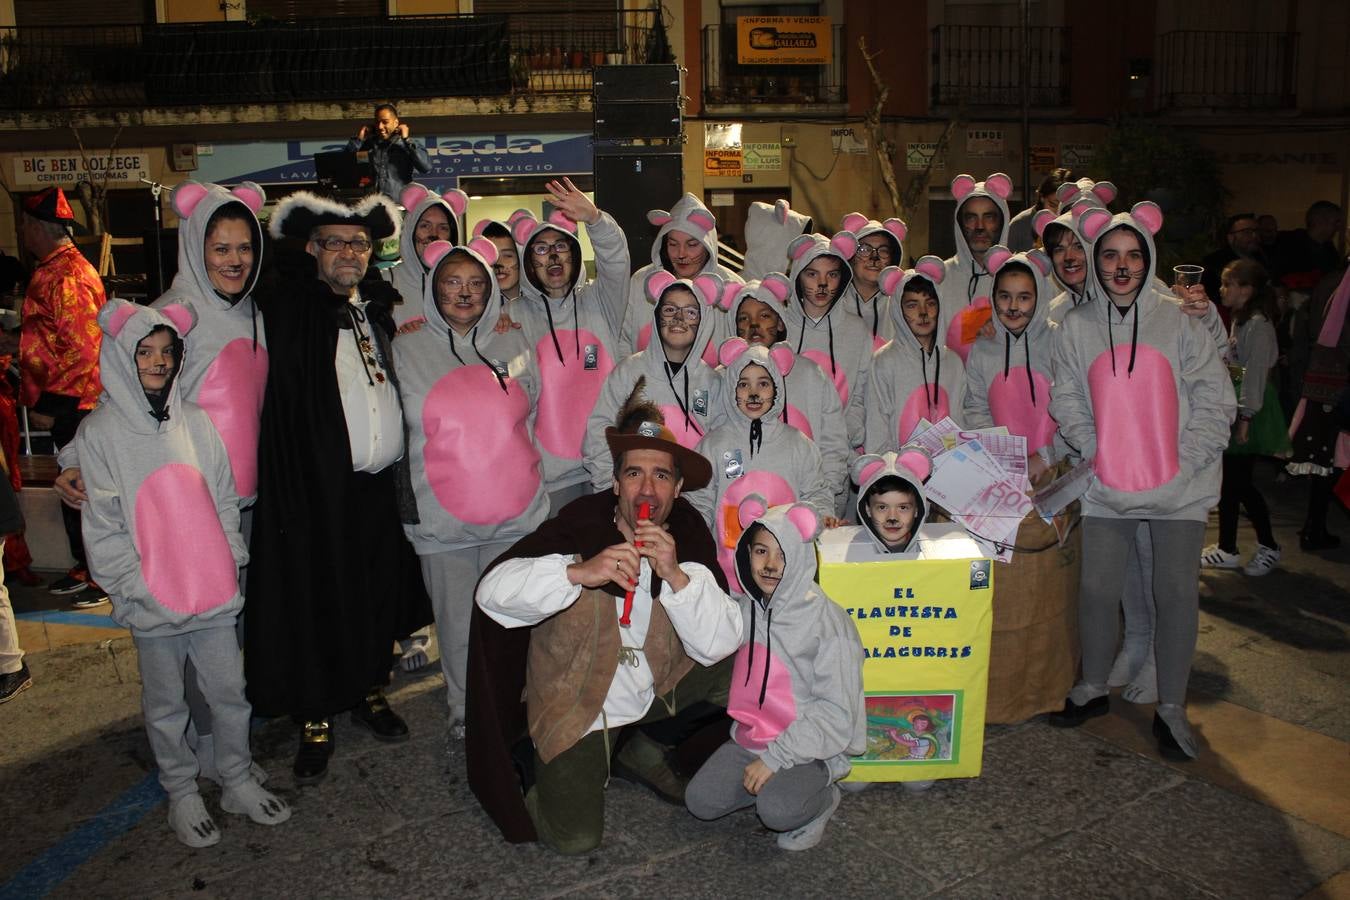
394 156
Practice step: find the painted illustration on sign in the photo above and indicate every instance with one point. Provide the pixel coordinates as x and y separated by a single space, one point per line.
911 727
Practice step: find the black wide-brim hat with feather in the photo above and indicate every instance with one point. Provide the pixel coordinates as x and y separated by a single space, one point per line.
642 427
300 213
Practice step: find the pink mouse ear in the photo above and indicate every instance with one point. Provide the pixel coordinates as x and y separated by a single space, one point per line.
484 248
1067 190
916 461
658 217
932 268
435 251
1148 214
517 215
1041 259
412 195
731 350
185 198
1093 222
521 228
656 283
703 220
1105 191
752 507
1042 218
250 194
804 519
780 209
479 226
962 185
710 286
800 245
996 256
999 185
783 357
890 279
120 316
867 467
777 284
558 220
844 243
458 200
730 291
853 221
181 317
897 228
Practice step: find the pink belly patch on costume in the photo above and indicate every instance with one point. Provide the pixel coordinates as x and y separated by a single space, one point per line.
759 725
965 326
687 436
1011 406
769 485
797 419
480 462
1137 419
878 342
918 406
839 377
567 390
185 558
231 393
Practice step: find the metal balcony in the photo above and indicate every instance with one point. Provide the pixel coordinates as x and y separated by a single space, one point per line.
981 65
199 64
1226 70
729 83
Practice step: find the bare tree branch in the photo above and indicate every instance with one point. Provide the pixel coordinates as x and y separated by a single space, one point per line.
881 144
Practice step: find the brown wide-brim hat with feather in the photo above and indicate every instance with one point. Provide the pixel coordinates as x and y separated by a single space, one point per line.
642 427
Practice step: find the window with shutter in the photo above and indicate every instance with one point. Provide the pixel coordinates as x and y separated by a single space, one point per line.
300 10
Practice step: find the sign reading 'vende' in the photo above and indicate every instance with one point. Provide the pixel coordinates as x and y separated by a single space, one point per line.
784 40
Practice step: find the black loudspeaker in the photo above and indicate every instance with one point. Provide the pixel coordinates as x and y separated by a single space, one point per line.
636 102
631 180
168 255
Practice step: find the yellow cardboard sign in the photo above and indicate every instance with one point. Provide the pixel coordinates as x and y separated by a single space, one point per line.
725 163
784 40
925 627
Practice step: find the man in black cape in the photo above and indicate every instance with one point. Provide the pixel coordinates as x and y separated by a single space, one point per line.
332 579
552 627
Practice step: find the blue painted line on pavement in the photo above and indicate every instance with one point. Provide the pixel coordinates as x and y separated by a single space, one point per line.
64 617
44 874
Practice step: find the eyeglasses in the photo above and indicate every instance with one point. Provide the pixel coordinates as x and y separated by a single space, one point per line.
544 249
866 251
688 313
335 244
475 285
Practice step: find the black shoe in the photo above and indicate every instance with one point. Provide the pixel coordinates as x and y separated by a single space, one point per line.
316 746
1073 715
374 713
1311 542
1167 744
14 683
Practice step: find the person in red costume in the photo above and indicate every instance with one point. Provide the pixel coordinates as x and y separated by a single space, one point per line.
58 349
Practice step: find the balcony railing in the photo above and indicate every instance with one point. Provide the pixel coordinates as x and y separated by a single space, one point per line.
112 66
728 83
981 65
1228 70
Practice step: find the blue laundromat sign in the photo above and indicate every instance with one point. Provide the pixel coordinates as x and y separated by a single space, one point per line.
284 162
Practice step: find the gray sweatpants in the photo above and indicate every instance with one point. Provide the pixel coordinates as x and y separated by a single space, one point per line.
787 801
198 709
1176 549
219 665
450 578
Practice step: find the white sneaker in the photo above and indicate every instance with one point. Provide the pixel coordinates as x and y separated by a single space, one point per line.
809 835
917 787
1264 560
191 823
1214 558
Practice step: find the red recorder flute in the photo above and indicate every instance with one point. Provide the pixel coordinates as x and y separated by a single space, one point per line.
626 620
